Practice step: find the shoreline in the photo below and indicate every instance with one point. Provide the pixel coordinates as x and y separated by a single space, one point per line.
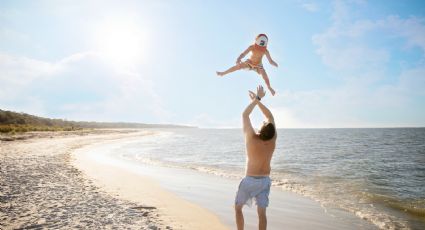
124 183
200 188
74 180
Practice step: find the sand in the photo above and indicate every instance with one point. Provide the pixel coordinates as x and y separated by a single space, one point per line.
68 180
39 188
122 181
189 199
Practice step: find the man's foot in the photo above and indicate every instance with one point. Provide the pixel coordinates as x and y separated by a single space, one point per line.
220 74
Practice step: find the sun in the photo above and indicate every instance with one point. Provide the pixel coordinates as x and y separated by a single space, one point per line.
122 43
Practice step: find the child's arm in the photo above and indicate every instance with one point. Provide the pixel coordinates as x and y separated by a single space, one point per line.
243 54
270 58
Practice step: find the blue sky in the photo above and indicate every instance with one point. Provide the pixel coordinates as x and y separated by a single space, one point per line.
341 63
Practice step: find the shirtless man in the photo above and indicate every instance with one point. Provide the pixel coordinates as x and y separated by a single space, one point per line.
259 151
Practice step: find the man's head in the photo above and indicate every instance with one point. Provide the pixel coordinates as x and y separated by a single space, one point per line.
267 131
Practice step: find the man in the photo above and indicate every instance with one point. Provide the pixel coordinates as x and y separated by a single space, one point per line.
259 151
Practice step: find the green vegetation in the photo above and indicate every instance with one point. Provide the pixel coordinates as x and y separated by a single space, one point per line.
30 128
12 122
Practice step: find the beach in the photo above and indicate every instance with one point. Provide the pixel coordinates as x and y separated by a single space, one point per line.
197 199
88 180
167 114
41 189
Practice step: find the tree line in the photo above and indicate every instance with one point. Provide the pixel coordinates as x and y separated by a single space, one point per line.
11 122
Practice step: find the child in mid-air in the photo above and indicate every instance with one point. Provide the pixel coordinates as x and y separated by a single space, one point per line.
258 50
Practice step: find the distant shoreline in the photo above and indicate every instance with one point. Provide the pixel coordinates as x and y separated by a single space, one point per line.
13 122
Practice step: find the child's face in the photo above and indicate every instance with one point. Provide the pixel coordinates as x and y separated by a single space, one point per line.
261 41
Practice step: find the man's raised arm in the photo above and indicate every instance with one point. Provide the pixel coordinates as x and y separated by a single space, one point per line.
260 94
247 126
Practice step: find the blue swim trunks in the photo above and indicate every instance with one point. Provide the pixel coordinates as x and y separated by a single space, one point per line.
254 187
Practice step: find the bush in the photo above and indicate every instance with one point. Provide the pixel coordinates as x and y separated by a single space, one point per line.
5 129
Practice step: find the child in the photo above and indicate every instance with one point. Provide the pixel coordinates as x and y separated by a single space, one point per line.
258 50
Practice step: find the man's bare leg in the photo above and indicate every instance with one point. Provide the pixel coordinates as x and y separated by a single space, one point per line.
262 218
231 69
263 73
239 217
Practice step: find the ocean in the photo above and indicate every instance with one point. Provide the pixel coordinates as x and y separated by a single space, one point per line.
375 174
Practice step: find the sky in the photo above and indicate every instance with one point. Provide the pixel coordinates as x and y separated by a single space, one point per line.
353 63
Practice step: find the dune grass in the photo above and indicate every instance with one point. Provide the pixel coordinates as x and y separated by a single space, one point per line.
16 128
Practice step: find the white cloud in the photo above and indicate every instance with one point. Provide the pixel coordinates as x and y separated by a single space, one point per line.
340 12
338 107
17 74
12 35
22 69
364 95
412 29
311 7
349 57
204 120
82 87
285 118
317 108
345 46
413 80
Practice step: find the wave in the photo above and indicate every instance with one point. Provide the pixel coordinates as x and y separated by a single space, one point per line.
410 206
348 189
361 204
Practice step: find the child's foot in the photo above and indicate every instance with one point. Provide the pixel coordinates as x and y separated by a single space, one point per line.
220 74
272 91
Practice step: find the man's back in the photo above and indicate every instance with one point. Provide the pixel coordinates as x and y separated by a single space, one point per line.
259 151
259 154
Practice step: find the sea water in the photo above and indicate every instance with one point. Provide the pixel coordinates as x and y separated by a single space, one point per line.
376 174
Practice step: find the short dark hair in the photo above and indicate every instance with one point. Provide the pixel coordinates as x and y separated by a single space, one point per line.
267 132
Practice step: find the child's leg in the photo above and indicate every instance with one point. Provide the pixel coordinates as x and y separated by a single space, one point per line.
232 69
263 73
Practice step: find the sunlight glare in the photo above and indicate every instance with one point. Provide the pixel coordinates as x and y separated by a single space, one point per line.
122 43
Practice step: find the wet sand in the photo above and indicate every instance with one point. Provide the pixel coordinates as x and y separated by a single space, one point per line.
71 180
191 197
122 181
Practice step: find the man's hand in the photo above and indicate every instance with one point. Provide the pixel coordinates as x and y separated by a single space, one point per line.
238 61
260 93
252 95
